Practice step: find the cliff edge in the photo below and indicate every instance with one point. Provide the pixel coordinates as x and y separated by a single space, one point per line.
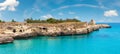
11 31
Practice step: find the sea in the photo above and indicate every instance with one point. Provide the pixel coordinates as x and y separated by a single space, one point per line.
103 41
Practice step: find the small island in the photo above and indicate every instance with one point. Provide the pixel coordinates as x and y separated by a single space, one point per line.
9 31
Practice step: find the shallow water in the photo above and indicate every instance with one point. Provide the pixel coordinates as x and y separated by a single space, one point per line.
104 41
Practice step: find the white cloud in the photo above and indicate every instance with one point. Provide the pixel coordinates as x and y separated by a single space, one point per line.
100 2
28 13
110 13
87 5
71 12
9 4
76 17
36 8
47 16
79 5
60 13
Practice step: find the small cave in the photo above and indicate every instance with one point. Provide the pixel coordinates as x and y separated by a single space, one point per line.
14 30
20 31
44 28
62 33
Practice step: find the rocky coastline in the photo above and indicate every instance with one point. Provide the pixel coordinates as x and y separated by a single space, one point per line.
11 31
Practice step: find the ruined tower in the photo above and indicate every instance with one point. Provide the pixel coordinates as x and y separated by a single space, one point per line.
92 22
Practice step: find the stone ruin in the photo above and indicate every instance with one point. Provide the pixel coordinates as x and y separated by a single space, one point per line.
92 22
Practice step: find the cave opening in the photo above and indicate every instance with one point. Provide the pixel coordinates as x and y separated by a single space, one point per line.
14 30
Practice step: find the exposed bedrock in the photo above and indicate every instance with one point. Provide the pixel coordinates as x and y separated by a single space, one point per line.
6 40
20 31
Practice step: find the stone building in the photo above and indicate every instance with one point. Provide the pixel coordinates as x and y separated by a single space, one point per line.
92 22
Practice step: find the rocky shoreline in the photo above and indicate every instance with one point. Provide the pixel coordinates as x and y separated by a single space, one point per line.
23 30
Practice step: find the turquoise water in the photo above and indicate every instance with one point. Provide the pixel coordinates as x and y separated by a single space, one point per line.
104 41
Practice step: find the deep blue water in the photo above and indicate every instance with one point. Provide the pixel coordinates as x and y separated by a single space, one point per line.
104 41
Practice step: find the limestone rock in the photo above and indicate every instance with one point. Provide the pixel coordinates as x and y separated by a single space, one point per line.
92 22
6 39
20 31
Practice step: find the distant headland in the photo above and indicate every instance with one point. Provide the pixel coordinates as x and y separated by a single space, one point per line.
49 27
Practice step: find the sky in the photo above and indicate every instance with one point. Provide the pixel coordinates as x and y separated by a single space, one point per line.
84 10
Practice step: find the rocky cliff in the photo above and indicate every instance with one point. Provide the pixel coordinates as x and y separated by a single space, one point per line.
11 31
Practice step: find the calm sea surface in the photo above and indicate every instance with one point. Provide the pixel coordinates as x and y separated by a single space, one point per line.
104 41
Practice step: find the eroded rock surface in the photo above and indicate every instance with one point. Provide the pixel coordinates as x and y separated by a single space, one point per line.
6 39
11 31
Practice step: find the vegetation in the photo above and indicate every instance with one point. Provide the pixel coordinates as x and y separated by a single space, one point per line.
13 20
50 20
2 21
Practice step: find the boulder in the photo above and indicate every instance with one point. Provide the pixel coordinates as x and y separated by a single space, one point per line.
6 39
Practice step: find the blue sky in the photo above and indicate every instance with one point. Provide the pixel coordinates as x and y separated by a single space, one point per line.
84 10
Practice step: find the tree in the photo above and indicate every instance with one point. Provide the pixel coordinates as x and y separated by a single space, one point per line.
72 20
29 20
51 20
13 20
2 21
